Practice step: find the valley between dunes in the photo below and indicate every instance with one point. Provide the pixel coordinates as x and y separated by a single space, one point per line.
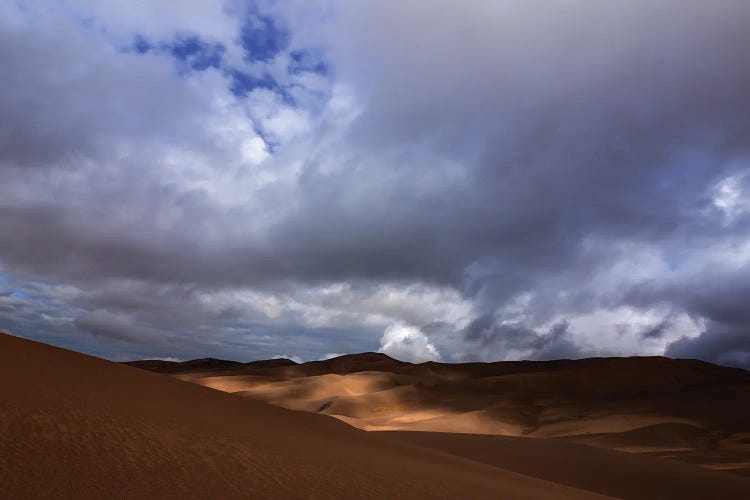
75 426
682 409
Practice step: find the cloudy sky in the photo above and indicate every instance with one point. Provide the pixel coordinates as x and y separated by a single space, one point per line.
436 180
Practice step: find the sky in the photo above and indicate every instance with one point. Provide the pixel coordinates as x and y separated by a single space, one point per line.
435 180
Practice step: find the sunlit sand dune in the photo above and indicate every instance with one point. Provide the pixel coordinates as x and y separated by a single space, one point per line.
683 409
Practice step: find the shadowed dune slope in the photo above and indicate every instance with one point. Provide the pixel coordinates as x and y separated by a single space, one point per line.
74 426
613 473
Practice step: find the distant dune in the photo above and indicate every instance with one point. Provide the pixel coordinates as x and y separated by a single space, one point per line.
74 426
682 409
205 364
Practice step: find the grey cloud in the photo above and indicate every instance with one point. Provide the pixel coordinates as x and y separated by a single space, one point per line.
109 325
528 192
716 295
718 344
496 340
68 96
656 331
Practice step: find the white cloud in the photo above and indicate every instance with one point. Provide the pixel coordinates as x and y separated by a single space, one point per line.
620 331
169 358
408 343
730 197
293 357
254 150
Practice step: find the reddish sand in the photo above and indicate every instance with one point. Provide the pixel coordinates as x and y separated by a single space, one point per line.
74 426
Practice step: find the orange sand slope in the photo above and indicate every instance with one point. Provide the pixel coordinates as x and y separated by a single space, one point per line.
684 409
74 426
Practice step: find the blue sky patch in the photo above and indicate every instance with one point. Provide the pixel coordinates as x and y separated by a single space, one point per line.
197 54
243 83
262 38
141 45
190 51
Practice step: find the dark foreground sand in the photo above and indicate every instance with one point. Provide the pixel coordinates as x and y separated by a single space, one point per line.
609 472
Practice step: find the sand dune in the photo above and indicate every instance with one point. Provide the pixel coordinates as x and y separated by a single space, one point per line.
74 426
683 409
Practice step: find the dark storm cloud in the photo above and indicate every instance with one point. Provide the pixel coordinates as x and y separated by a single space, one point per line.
494 340
721 298
112 326
499 150
655 331
719 344
605 124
